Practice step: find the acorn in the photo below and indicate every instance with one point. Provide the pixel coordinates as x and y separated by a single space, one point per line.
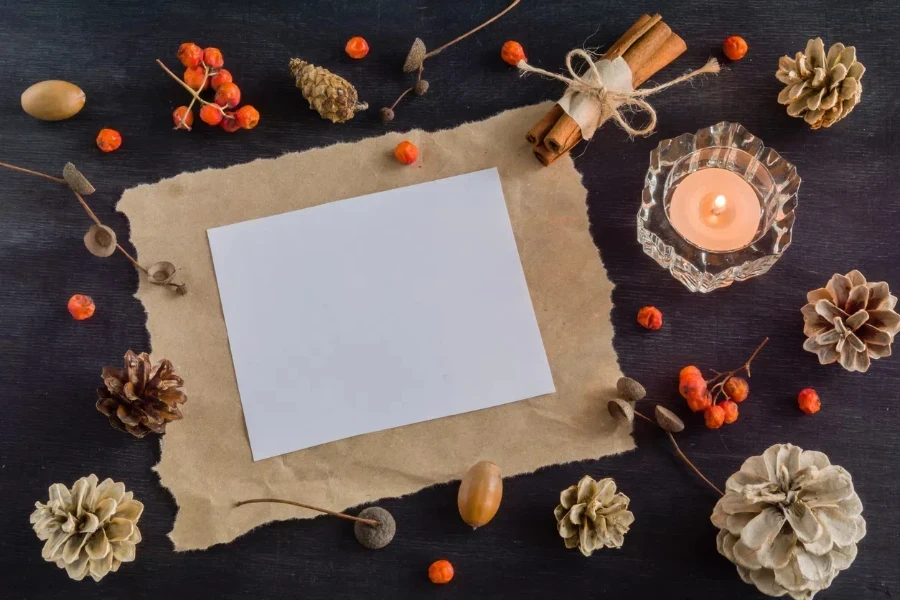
480 493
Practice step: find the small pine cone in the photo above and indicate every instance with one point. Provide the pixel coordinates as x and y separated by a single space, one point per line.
592 515
821 89
139 398
332 96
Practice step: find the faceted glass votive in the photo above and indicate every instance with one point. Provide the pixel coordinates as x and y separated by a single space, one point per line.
773 181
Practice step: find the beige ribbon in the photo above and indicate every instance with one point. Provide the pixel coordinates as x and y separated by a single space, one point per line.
611 102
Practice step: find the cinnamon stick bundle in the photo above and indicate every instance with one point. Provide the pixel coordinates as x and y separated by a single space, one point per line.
648 46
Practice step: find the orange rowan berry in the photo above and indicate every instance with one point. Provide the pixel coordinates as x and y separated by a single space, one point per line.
183 117
650 317
228 95
211 115
406 152
714 416
734 47
109 140
230 123
212 58
247 117
512 52
440 571
808 401
194 77
81 307
222 76
357 47
689 371
190 54
731 411
737 389
699 402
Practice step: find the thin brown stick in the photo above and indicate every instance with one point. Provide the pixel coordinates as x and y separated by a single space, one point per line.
371 522
644 417
471 31
190 90
691 465
38 173
405 92
723 377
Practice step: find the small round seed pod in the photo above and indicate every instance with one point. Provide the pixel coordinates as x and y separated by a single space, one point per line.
421 87
630 389
668 420
161 272
100 240
621 411
387 115
375 537
77 181
415 58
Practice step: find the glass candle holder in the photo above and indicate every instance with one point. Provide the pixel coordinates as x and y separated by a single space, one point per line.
717 207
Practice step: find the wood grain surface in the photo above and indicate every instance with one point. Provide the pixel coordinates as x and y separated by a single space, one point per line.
50 364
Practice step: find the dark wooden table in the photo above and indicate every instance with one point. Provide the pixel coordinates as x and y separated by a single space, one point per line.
50 365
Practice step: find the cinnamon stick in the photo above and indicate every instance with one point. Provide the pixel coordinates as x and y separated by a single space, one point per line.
671 49
645 48
537 133
544 155
634 33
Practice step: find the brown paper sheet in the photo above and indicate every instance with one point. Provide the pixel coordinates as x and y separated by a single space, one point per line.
206 461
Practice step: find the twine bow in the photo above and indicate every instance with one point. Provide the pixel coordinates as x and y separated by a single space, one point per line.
612 102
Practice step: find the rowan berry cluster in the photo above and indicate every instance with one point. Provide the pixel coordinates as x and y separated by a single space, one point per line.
204 70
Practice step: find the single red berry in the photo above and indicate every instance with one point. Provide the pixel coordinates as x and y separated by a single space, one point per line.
247 117
731 411
228 95
211 115
230 123
650 317
737 389
221 76
183 117
440 571
357 47
808 401
81 307
212 58
700 401
109 140
512 52
734 47
689 371
693 385
406 152
195 77
190 54
714 416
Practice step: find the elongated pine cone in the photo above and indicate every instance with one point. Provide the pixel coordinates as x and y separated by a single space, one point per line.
821 89
591 515
332 96
90 529
139 398
789 521
850 321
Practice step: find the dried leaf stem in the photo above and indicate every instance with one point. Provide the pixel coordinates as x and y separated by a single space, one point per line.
180 288
370 522
723 377
681 454
471 31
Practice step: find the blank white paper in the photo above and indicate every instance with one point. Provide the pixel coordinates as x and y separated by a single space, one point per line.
377 312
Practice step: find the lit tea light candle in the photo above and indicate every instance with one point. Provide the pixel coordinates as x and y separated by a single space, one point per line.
715 209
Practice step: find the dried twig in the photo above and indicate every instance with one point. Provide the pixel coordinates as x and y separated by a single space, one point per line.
370 522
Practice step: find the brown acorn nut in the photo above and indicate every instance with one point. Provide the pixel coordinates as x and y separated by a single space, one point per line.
53 100
480 492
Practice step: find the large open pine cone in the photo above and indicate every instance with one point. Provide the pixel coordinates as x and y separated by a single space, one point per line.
821 89
789 521
90 529
591 515
850 321
140 398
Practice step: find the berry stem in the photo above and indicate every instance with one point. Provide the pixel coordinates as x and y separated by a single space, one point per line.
191 90
691 465
471 31
405 92
371 522
38 173
723 377
184 125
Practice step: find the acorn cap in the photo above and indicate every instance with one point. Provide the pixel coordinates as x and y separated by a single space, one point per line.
161 272
375 537
630 389
621 411
100 240
668 420
77 181
415 58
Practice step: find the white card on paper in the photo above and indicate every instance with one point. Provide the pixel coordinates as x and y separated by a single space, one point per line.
376 312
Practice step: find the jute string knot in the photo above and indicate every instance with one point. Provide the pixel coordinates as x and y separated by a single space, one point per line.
611 102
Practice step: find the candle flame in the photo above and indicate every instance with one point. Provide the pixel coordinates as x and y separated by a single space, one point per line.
719 203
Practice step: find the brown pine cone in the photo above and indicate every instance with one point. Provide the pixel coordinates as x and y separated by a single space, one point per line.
139 398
